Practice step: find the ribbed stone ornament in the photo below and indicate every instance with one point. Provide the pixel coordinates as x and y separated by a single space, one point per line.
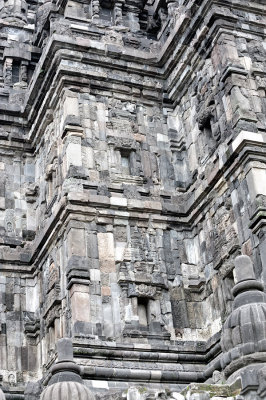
243 338
245 330
66 391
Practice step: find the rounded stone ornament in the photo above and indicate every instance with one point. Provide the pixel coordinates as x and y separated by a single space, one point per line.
66 391
243 339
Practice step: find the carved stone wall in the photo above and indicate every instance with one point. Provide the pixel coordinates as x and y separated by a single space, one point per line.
132 174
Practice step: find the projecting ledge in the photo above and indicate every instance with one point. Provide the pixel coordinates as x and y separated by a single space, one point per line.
245 136
125 374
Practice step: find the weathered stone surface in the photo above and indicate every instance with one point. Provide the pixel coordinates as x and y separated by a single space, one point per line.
67 391
132 174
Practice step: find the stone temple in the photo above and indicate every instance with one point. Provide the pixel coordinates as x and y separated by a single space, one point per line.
132 199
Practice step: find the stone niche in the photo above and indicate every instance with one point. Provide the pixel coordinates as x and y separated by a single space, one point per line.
142 294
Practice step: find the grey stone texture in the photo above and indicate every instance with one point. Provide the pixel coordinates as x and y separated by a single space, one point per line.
67 391
133 199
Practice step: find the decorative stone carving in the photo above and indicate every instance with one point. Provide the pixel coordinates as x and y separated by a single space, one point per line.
32 192
24 73
10 222
14 10
67 390
224 236
142 290
8 71
243 337
132 172
95 9
118 17
32 329
53 276
113 38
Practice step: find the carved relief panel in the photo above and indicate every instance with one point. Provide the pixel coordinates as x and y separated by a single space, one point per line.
224 235
143 281
51 305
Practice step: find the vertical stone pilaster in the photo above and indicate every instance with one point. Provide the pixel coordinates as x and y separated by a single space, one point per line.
70 111
8 67
78 281
118 17
108 273
133 19
71 132
23 78
80 303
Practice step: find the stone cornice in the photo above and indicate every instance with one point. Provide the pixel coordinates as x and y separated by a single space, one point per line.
245 147
205 354
200 32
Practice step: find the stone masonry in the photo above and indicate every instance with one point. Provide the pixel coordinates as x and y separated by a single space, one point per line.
133 199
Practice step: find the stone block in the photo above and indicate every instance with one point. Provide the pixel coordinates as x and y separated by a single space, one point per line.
76 242
80 304
64 349
71 106
106 252
244 269
256 179
73 155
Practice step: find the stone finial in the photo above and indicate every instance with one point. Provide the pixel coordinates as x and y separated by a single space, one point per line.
67 391
243 336
244 269
66 382
65 369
